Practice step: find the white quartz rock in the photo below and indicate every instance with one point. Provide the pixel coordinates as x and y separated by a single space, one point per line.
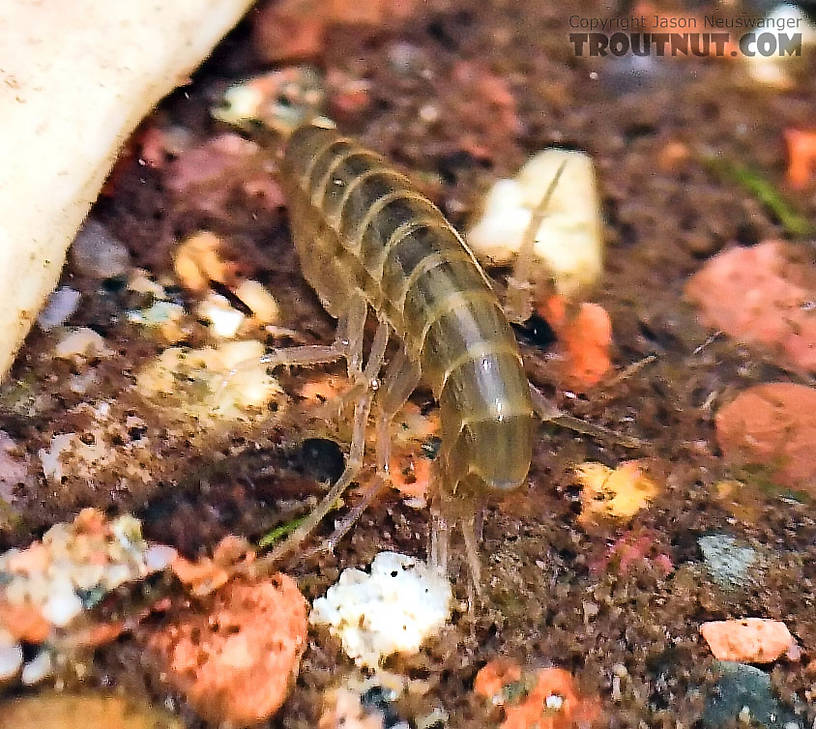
393 609
569 241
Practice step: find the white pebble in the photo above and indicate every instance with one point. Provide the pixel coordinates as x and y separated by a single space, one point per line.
37 669
554 702
391 610
81 343
11 658
158 313
51 460
159 556
60 307
257 297
774 69
96 253
569 241
62 605
224 320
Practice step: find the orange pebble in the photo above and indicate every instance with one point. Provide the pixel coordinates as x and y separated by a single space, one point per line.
587 340
24 622
555 311
801 157
494 676
672 155
410 474
201 577
236 657
584 338
553 703
750 640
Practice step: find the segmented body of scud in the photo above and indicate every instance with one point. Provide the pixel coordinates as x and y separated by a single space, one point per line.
361 229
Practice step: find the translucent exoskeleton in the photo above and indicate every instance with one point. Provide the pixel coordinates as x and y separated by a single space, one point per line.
368 242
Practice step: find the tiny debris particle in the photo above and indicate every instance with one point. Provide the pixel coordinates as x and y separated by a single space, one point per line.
391 610
554 702
750 640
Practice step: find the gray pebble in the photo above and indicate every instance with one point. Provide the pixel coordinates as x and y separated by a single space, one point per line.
96 253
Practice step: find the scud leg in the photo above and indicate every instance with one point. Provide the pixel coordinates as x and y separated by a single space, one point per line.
472 554
354 463
447 512
549 413
439 533
350 330
348 344
401 378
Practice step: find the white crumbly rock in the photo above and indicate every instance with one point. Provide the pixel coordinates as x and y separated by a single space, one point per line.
569 242
72 567
392 609
224 382
70 455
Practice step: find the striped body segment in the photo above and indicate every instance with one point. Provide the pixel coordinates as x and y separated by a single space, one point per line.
359 226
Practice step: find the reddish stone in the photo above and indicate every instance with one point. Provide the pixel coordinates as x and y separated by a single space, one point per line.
761 295
235 661
773 425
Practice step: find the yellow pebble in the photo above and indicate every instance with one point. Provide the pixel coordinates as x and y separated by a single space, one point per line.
619 493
